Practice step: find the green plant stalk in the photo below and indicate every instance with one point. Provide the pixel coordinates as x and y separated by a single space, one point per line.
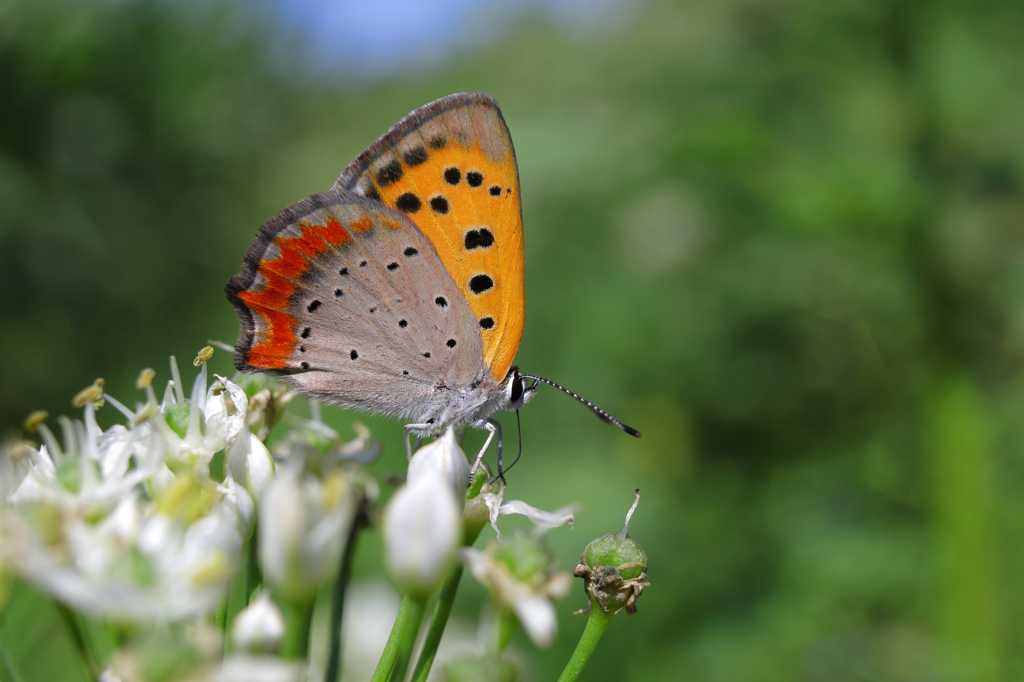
442 611
408 639
438 622
390 653
76 628
298 617
597 623
255 574
410 613
333 670
238 599
504 628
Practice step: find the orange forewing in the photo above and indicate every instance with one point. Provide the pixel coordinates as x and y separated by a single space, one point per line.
451 169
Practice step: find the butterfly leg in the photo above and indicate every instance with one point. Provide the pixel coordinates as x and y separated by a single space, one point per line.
497 425
409 428
490 426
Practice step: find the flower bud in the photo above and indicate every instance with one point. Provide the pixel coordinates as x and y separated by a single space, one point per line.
444 456
249 462
614 569
303 523
422 531
259 628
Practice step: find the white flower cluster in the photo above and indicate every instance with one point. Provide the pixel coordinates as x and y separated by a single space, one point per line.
127 523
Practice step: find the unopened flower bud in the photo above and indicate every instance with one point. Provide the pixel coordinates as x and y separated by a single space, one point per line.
422 531
259 628
249 462
303 523
445 457
614 569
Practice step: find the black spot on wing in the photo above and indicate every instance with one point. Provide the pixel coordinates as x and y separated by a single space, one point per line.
452 176
450 343
495 191
426 355
487 322
305 365
389 173
339 292
410 251
478 284
403 324
372 193
305 333
415 156
478 239
441 302
408 203
439 204
354 355
392 266
313 306
437 141
474 178
343 271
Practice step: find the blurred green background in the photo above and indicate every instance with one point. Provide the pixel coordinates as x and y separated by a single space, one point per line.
783 238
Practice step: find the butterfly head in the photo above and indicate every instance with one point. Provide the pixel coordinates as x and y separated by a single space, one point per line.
517 391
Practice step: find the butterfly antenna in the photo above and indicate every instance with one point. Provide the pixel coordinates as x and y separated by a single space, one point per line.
604 416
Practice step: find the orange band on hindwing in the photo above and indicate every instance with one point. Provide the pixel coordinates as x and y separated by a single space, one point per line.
270 302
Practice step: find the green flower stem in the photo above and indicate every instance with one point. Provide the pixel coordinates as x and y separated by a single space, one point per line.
442 611
76 628
408 641
333 671
255 574
597 623
438 622
238 599
504 629
403 636
298 617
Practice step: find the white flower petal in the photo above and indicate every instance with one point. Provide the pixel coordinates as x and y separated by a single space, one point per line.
539 517
537 616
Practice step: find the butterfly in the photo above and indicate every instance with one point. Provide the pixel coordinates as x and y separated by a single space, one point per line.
400 291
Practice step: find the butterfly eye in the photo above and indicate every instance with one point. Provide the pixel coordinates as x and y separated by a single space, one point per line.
518 386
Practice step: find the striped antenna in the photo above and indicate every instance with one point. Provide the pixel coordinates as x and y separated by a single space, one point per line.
604 416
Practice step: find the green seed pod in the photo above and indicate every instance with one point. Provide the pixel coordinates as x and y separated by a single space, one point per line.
614 569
